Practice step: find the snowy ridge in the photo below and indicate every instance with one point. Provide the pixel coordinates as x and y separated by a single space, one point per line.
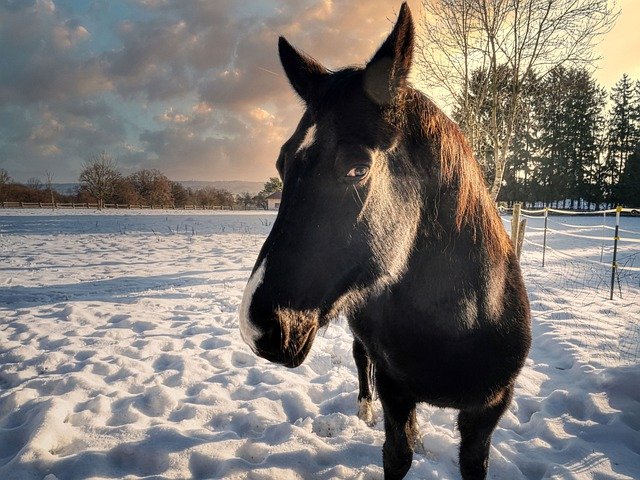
121 357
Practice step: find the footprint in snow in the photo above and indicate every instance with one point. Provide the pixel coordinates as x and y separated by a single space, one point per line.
252 452
241 359
330 425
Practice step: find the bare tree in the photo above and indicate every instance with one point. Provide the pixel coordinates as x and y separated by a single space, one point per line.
245 199
34 183
210 196
49 183
516 38
5 179
125 192
99 176
180 194
153 186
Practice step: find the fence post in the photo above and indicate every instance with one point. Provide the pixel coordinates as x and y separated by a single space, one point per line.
604 221
544 238
614 264
517 229
521 229
515 223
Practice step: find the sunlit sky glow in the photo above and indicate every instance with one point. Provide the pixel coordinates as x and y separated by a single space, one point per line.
193 88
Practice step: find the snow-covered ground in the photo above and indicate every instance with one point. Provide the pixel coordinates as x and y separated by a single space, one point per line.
120 357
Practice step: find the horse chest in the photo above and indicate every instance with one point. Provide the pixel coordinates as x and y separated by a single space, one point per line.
434 355
409 341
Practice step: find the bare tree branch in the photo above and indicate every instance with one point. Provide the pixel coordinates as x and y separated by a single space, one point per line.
99 177
527 36
49 183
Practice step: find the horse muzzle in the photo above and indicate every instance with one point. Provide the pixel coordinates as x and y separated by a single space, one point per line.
285 338
281 335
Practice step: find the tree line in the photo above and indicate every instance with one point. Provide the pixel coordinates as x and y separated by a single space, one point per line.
100 182
568 148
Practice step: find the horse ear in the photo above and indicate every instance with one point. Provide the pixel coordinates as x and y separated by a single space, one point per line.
304 73
389 68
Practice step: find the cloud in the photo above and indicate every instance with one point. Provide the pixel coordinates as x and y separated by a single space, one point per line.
193 88
69 34
57 136
200 140
39 61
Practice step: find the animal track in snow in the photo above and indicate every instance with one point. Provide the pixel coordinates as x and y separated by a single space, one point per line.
242 359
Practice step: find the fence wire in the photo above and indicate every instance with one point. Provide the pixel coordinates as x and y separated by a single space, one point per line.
571 293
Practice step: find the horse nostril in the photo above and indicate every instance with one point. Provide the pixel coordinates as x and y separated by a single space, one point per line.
271 339
274 334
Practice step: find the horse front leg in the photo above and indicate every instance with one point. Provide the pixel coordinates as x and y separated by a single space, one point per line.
400 426
365 382
476 427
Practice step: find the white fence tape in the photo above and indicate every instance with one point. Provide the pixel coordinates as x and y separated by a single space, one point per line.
618 267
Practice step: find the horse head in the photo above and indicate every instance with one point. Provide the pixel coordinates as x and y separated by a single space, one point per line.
350 202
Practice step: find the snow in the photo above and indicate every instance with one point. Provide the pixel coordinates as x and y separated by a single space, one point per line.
121 357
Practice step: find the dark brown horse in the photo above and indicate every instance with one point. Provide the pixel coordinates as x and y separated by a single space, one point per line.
385 217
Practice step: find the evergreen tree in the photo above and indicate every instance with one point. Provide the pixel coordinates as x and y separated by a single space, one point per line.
629 188
519 178
585 113
557 153
553 124
482 143
635 107
623 135
570 109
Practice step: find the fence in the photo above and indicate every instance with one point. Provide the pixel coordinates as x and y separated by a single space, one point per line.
618 236
583 272
115 206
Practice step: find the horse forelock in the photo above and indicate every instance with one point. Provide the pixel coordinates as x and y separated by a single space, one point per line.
458 170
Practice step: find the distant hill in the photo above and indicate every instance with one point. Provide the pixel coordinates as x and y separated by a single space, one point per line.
65 188
233 186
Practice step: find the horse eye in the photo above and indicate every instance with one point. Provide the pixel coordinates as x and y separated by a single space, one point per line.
357 172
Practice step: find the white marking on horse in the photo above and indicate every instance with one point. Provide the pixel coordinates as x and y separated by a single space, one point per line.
309 138
365 412
248 330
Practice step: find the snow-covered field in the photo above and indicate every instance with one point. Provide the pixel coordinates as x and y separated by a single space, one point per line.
120 357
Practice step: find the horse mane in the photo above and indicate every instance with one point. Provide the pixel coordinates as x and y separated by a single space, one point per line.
459 171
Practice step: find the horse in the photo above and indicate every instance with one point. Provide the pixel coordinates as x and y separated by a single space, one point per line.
385 217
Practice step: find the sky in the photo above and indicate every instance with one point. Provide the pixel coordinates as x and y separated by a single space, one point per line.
192 88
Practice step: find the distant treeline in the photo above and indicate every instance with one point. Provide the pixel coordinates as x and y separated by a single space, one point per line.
101 183
568 149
